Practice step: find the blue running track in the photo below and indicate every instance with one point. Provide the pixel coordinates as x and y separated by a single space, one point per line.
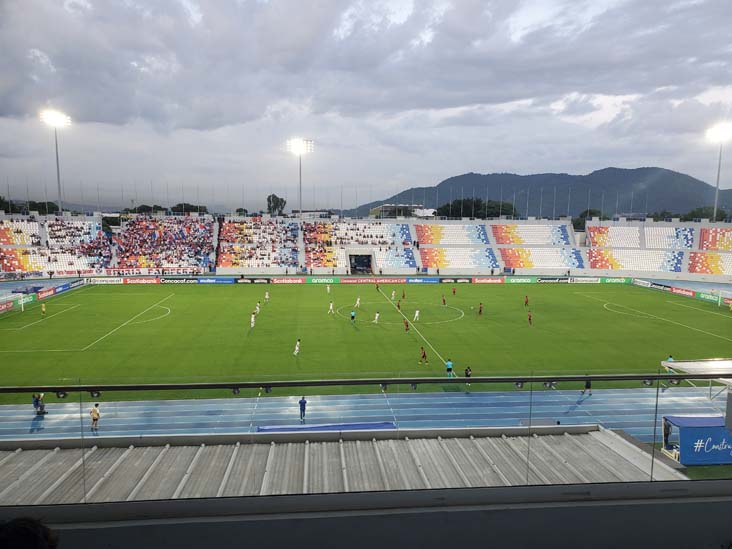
631 410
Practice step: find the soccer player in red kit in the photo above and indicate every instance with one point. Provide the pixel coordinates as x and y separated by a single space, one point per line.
526 301
530 322
377 286
480 309
443 299
404 294
399 305
423 356
406 325
453 290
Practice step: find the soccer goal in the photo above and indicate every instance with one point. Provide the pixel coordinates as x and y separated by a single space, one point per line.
725 299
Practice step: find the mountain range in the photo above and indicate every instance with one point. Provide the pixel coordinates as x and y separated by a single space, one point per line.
613 190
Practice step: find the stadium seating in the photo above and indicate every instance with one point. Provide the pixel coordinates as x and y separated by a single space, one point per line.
637 260
327 257
716 239
41 259
458 258
541 235
19 233
63 233
613 237
389 259
147 242
669 237
451 234
258 243
539 258
710 263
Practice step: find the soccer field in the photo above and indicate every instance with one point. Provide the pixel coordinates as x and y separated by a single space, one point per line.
179 333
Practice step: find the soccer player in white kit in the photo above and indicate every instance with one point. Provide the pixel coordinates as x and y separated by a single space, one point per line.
376 317
266 296
330 309
327 288
416 315
358 302
297 348
256 309
393 294
253 320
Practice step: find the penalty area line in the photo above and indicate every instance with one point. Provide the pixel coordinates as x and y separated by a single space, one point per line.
45 318
700 309
138 315
413 326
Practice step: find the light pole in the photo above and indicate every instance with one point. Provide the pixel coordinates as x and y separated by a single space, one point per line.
720 133
299 147
56 120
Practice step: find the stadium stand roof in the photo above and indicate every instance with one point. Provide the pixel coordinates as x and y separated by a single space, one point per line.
703 366
310 463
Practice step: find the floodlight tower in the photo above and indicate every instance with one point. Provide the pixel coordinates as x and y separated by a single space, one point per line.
56 120
300 147
719 133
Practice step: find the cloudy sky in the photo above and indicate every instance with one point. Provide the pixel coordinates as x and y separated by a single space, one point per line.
196 98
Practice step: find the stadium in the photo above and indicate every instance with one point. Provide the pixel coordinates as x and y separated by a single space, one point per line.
215 332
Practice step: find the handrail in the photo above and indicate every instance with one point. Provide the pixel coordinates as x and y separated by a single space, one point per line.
556 379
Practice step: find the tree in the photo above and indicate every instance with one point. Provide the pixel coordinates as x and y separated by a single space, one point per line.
581 219
275 204
475 208
242 211
144 208
704 213
664 214
186 207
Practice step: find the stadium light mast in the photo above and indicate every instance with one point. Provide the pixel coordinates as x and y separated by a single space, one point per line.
56 120
719 134
300 147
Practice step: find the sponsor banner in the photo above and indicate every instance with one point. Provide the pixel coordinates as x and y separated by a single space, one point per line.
212 280
660 287
289 280
486 280
455 280
520 279
138 280
243 280
584 280
43 294
96 280
705 446
641 283
616 280
7 306
76 283
178 280
260 280
62 288
707 297
367 280
683 291
727 300
155 272
423 280
30 298
324 280
553 280
80 272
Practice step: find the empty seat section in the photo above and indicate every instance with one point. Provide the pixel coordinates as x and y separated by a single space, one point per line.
543 235
19 233
434 233
399 258
716 239
613 237
669 237
538 258
458 258
710 263
637 260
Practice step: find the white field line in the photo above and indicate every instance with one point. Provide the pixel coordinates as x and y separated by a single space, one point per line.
126 323
414 327
156 318
47 318
658 318
41 351
727 315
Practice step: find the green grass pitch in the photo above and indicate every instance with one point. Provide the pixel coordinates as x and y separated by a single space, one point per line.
178 333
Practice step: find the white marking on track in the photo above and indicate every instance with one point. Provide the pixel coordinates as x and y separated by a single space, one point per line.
126 323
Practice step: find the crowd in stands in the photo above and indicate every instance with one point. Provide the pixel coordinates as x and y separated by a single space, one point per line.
19 232
63 233
258 244
147 242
